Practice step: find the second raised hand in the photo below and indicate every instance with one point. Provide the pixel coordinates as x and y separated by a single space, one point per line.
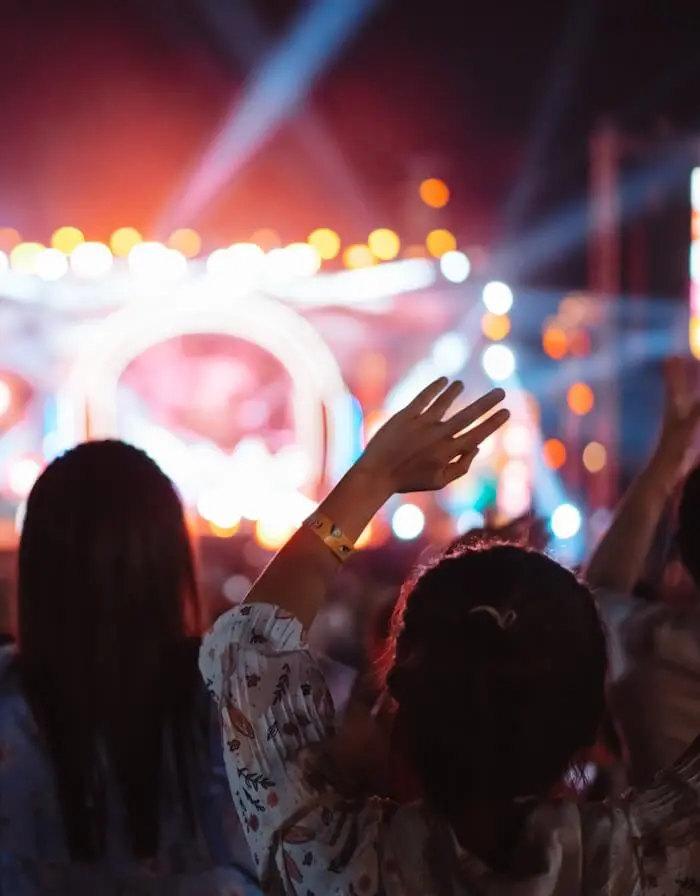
423 448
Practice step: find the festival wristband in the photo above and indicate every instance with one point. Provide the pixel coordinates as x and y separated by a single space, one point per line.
331 535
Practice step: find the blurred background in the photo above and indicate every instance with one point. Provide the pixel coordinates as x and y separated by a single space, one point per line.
240 233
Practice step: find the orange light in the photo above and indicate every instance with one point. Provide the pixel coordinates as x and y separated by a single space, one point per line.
555 342
272 533
65 239
434 192
223 531
495 326
440 242
267 239
694 336
695 227
384 243
9 238
326 242
580 399
594 457
554 454
358 256
365 538
186 241
123 241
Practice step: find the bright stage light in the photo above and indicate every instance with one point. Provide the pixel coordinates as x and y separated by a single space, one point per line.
186 241
22 475
51 265
434 192
566 521
455 266
514 493
123 241
440 242
384 244
450 353
302 260
358 256
5 397
498 362
4 263
24 256
65 239
219 508
326 242
497 297
90 261
517 440
408 522
155 262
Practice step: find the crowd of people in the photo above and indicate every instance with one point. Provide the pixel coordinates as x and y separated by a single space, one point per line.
515 727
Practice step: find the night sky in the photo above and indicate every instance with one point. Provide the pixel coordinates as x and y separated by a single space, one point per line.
107 105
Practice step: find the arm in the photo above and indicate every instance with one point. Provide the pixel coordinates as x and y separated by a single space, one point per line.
618 561
417 450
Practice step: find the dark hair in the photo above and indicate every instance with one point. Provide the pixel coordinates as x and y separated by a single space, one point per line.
109 621
688 533
527 531
488 713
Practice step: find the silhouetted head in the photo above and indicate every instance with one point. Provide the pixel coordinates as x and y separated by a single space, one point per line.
688 533
497 663
108 620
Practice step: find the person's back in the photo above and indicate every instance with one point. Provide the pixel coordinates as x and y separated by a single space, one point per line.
110 760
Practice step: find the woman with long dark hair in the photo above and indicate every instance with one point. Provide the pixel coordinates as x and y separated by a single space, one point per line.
497 674
109 763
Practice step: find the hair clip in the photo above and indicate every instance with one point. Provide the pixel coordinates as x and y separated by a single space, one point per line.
503 620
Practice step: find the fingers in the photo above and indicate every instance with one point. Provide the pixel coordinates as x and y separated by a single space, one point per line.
443 402
424 398
458 467
470 440
476 409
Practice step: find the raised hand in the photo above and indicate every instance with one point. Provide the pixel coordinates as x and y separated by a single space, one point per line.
681 416
423 448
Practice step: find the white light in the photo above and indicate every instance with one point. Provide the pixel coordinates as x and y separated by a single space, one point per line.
517 440
695 190
470 519
695 260
22 476
4 263
156 262
91 260
216 507
566 521
408 522
450 353
5 397
498 362
303 260
52 264
498 298
455 266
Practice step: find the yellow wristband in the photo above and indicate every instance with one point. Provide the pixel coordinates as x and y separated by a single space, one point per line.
331 535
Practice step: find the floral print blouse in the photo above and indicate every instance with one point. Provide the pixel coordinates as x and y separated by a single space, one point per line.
311 839
34 859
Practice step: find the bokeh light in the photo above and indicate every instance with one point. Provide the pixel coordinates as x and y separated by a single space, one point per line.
186 241
51 264
414 250
326 242
440 242
408 522
267 239
495 326
497 297
434 192
123 241
384 243
358 256
554 453
91 260
455 266
302 259
555 342
155 262
580 343
595 457
9 238
65 239
24 257
273 531
566 521
5 397
498 362
22 475
580 399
